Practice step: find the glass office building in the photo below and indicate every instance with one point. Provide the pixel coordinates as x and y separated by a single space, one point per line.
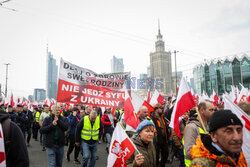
219 75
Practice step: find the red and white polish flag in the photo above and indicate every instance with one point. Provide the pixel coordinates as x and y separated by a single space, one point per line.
130 117
156 98
184 102
245 120
2 149
121 148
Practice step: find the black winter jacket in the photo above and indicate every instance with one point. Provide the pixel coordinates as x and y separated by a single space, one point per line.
14 158
49 130
21 120
29 115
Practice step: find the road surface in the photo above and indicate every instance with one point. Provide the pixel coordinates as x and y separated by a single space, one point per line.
38 157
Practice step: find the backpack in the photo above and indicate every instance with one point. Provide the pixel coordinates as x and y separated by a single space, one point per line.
6 132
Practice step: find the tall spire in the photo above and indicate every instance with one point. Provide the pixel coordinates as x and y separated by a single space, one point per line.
159 36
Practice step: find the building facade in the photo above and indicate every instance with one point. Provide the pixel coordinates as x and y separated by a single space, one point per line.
51 76
219 75
161 67
39 94
176 81
117 65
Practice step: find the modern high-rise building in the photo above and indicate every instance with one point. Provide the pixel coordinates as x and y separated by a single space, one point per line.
39 94
161 66
148 71
117 65
219 75
51 76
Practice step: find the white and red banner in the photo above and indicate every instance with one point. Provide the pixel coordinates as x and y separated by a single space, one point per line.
80 85
121 148
183 103
245 119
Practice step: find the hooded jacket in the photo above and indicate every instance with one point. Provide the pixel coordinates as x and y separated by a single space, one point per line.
14 158
148 151
191 132
107 123
205 154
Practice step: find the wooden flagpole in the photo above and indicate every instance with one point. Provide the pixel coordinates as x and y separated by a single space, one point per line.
201 121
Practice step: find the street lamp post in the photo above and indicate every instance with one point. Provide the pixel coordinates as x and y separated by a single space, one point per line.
7 64
175 71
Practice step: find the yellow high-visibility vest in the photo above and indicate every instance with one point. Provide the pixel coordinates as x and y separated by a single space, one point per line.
187 161
37 116
88 131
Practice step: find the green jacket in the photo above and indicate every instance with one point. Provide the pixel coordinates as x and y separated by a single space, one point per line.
148 152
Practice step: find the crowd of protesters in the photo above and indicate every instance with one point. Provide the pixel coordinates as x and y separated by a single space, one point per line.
82 128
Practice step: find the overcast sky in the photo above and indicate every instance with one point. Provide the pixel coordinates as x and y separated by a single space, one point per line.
89 33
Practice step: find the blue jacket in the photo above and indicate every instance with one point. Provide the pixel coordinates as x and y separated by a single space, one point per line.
73 123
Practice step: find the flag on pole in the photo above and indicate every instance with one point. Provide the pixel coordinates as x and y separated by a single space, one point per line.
183 103
148 97
130 117
12 103
243 94
137 101
215 98
2 149
245 119
156 98
121 148
150 108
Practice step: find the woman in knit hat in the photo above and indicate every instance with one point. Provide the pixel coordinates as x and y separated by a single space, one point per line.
146 157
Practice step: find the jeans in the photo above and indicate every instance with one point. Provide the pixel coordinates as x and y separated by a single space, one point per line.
89 150
55 155
108 137
43 140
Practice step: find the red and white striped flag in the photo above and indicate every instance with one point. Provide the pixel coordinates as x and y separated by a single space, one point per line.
183 103
245 119
2 149
121 148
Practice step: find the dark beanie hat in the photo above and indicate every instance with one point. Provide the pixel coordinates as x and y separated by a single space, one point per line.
19 105
221 119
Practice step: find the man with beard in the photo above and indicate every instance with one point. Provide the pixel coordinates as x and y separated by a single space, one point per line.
29 116
222 147
162 136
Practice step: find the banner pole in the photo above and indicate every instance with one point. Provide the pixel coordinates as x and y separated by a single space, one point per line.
202 124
